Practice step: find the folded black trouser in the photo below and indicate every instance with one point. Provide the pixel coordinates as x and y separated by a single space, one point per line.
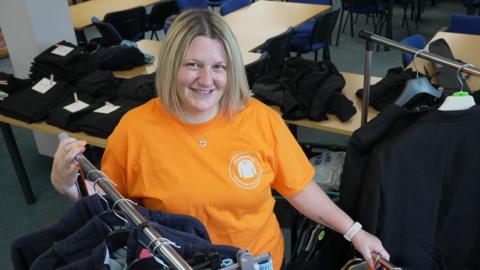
13 84
102 125
64 119
71 67
31 106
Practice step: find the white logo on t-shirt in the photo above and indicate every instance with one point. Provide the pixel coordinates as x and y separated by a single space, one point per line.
245 170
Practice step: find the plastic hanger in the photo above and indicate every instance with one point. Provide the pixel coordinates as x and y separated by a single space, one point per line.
460 100
419 85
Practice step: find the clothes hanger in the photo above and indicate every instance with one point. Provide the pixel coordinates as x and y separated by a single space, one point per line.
460 100
416 86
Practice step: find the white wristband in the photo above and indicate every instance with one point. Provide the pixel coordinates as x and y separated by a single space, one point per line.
352 231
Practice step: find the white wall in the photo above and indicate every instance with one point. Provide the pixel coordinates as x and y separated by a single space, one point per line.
29 27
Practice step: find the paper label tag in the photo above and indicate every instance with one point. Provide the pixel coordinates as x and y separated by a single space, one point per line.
106 109
76 106
62 50
43 85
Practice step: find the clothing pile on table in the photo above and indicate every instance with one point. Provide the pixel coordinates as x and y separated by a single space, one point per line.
305 89
68 91
93 236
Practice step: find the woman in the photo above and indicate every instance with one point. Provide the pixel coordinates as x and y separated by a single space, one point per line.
205 148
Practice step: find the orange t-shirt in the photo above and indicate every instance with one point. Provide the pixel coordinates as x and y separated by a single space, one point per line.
157 160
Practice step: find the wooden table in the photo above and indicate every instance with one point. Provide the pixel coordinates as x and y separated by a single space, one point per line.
82 13
464 47
255 23
353 82
153 47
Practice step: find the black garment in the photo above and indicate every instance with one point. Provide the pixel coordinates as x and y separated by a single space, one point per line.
102 125
422 199
27 248
31 106
120 58
98 84
388 89
386 125
186 244
67 120
13 84
69 68
141 88
305 89
76 246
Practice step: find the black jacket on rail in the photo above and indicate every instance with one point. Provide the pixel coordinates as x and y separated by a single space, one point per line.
422 197
27 248
386 125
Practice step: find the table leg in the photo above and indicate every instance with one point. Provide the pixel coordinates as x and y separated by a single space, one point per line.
17 163
389 19
419 10
80 35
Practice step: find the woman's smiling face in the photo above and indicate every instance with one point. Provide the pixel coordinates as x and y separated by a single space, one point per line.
201 79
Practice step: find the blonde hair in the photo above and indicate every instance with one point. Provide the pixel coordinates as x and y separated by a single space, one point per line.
187 26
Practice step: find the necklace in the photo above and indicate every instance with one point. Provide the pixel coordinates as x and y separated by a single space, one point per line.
202 141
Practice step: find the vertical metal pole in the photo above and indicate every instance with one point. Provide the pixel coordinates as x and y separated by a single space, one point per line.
17 163
366 80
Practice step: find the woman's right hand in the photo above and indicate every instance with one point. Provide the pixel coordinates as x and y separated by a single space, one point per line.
65 167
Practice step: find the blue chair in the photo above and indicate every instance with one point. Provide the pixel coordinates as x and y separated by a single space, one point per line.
130 23
465 24
318 37
320 2
187 4
159 13
109 35
368 7
416 41
307 27
232 5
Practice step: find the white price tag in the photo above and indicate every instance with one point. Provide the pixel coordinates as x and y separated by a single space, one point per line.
44 85
62 50
76 106
107 108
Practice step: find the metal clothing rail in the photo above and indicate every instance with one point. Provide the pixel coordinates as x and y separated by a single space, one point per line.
157 244
372 38
99 178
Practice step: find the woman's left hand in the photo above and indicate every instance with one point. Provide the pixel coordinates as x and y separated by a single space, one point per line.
366 243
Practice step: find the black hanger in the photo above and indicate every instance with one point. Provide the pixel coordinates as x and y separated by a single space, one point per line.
416 86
